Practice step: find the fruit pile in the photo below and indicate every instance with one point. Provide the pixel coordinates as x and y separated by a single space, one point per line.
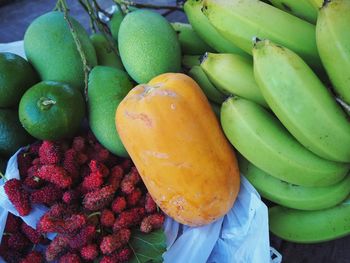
291 135
95 199
276 74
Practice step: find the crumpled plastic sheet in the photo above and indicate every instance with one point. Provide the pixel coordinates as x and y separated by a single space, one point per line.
241 236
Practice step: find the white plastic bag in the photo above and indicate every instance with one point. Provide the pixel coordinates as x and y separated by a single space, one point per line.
241 236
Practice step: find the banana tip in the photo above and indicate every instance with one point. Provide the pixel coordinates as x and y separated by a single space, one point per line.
203 57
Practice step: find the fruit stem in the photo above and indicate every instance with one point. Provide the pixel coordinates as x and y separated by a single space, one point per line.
94 214
86 67
344 105
102 26
178 7
45 103
3 176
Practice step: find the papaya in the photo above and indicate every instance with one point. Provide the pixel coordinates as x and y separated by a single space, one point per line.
175 140
107 88
148 45
50 48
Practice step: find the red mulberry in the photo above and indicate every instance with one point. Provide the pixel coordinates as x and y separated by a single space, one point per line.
49 153
89 252
119 204
18 196
47 195
34 236
99 199
55 174
107 218
115 241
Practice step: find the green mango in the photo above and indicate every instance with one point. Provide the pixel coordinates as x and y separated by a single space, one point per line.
148 45
50 47
107 88
106 55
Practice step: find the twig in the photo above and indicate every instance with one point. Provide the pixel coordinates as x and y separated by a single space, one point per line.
99 9
92 24
86 67
151 6
102 27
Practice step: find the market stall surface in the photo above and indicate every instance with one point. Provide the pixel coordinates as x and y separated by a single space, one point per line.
15 16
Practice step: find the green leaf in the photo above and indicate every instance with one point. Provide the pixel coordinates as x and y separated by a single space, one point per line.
147 247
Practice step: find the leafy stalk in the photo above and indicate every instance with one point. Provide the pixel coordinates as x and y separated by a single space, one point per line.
86 66
151 6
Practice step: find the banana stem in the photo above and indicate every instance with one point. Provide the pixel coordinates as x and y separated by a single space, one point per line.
86 66
344 105
151 6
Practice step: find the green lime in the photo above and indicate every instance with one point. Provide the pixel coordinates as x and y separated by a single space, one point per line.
51 110
16 76
12 134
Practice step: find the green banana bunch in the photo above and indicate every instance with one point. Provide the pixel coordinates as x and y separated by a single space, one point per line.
233 75
310 226
300 8
191 43
301 102
262 139
295 196
242 20
333 42
208 88
317 4
189 61
206 31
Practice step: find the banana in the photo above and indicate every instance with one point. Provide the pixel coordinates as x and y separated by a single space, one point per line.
295 196
233 75
310 226
317 4
333 42
208 88
191 43
206 31
262 139
301 102
300 8
188 61
242 20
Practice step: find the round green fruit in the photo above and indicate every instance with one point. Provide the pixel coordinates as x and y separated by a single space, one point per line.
12 134
51 110
148 45
16 76
107 88
50 47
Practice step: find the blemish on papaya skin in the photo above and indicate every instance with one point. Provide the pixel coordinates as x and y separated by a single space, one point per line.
158 155
140 116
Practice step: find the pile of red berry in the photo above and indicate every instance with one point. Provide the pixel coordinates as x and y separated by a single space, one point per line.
95 200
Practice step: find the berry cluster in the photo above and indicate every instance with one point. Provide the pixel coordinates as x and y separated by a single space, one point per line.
18 241
95 200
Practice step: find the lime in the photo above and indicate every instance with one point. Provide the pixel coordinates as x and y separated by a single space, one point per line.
51 110
16 76
12 134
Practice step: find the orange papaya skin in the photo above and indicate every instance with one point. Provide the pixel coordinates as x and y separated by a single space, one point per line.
179 149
